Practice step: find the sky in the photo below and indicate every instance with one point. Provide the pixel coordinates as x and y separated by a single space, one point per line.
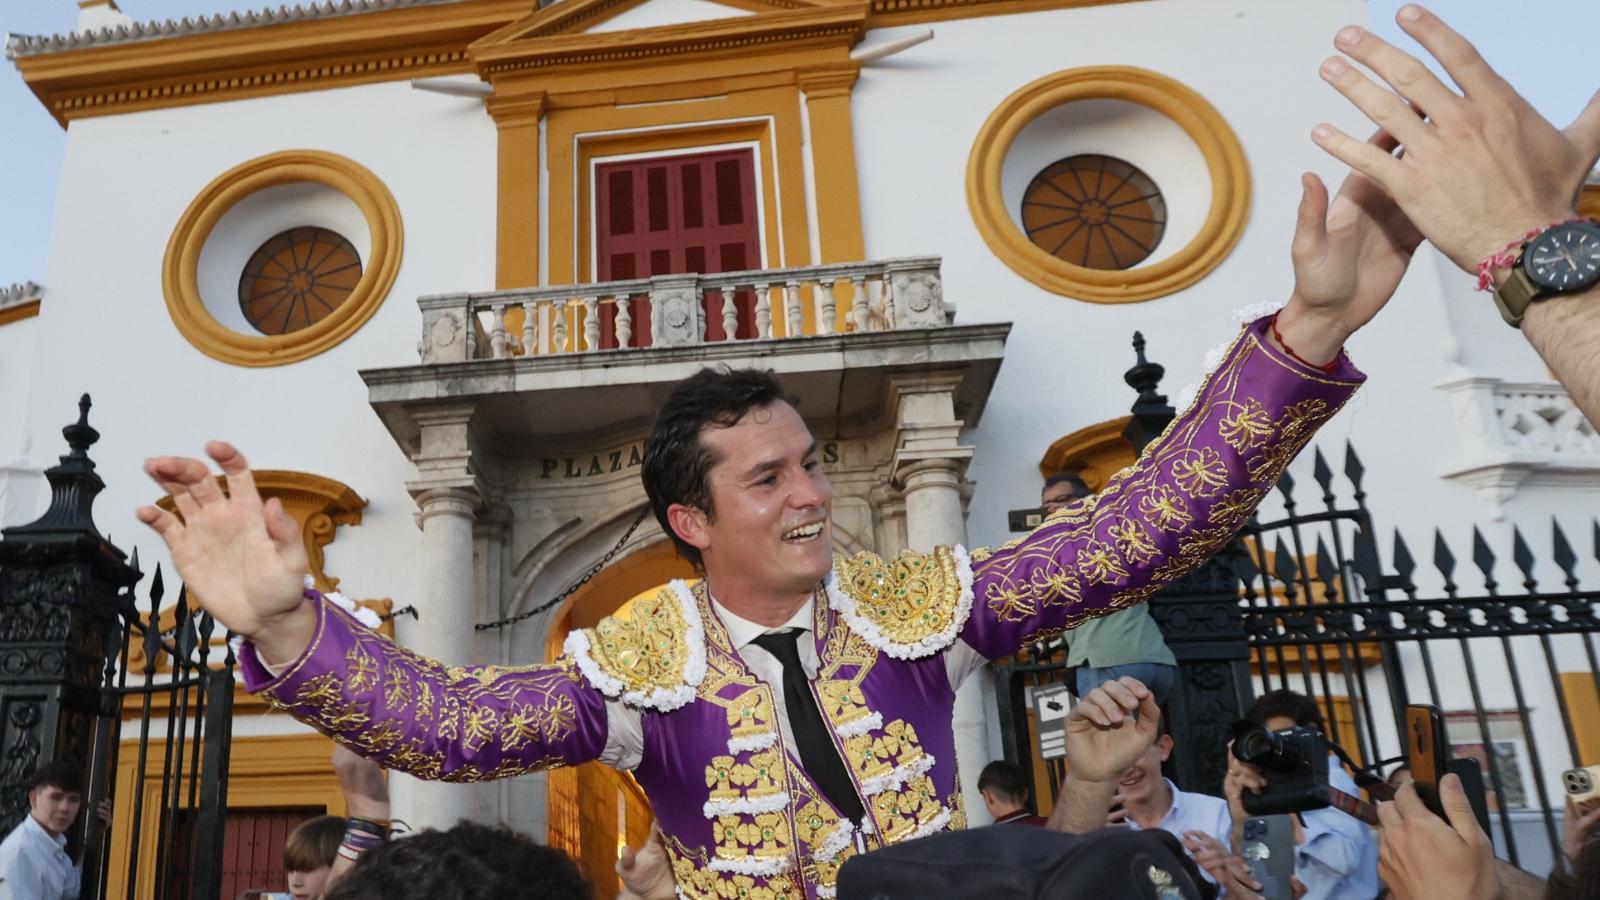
1544 47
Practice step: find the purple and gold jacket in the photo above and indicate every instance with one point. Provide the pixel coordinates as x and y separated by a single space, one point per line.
740 817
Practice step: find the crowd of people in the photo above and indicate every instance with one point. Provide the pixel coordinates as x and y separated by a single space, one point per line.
734 479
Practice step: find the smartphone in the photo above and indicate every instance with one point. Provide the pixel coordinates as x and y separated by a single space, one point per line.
1583 788
1025 519
1269 851
1427 752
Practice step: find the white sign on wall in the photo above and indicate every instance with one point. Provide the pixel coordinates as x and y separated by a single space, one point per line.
1050 707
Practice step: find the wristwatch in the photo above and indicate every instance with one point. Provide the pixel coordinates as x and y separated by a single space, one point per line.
1562 259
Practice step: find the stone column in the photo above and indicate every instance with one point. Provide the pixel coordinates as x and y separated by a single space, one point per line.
929 467
448 497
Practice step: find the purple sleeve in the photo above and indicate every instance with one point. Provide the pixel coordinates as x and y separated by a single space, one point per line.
438 722
1188 493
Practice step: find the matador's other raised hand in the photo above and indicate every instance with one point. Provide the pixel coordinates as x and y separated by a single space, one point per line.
244 560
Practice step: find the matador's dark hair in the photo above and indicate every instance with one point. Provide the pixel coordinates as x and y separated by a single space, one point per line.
468 862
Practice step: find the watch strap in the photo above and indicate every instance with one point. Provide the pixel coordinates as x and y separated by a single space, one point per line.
1513 297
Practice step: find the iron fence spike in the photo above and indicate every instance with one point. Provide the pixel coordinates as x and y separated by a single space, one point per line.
1284 568
1353 469
1483 557
1523 557
1322 473
1561 552
1326 570
1404 565
158 588
1443 559
1364 559
1286 487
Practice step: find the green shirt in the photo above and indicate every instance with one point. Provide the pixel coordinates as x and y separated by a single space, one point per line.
1120 639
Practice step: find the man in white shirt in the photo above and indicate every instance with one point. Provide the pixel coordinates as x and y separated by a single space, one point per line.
1146 799
34 864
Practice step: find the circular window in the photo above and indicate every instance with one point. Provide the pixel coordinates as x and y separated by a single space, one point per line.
281 258
297 278
1094 211
1051 134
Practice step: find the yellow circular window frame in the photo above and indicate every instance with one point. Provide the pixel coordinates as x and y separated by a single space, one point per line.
181 266
1225 160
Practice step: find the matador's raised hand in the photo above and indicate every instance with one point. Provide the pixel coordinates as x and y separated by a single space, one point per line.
241 558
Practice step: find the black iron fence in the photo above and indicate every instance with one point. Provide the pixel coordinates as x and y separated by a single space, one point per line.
1304 599
89 675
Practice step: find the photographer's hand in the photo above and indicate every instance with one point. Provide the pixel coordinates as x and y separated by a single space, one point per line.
1421 856
1228 870
1241 777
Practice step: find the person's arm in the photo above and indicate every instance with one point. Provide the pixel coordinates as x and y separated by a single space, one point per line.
1566 331
366 796
1482 170
246 560
1333 841
418 716
1193 487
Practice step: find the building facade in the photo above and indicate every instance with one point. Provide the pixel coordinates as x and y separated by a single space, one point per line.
435 261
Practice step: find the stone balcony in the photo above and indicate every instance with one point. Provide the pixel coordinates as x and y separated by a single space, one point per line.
557 362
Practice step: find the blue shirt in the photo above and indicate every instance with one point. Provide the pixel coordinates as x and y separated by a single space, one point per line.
1194 812
1339 859
34 865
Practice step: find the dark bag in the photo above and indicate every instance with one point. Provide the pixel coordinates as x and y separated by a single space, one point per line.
1017 862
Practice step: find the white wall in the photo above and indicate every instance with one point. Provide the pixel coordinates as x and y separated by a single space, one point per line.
125 182
916 116
20 488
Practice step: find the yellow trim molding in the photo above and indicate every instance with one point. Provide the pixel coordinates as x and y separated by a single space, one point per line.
292 57
1095 452
19 312
1225 160
180 268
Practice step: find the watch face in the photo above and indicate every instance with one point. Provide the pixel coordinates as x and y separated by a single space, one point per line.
1565 258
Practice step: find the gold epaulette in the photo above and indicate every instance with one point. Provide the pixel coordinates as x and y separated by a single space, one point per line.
655 658
909 607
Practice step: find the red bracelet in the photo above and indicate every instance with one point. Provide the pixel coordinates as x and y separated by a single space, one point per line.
1327 369
1507 258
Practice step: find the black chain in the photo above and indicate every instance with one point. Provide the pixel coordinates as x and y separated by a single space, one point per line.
501 623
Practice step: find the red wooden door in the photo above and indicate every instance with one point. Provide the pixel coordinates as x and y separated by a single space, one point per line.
252 842
675 214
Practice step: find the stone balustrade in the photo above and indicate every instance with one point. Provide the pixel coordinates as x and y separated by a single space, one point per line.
684 310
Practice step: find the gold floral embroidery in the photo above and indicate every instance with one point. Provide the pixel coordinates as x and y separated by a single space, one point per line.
481 724
1133 541
396 689
1099 563
910 598
1008 601
362 675
321 691
648 651
1236 506
762 836
1202 542
761 776
751 713
1247 426
1165 509
1134 596
719 778
1200 473
842 702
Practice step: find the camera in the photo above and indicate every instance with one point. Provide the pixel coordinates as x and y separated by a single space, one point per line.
1295 762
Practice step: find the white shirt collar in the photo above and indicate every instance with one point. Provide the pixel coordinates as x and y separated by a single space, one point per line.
742 631
60 840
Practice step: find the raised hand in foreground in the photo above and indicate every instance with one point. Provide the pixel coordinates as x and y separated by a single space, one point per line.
1106 732
242 559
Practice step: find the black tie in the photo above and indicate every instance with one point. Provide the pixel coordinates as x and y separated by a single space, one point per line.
811 738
